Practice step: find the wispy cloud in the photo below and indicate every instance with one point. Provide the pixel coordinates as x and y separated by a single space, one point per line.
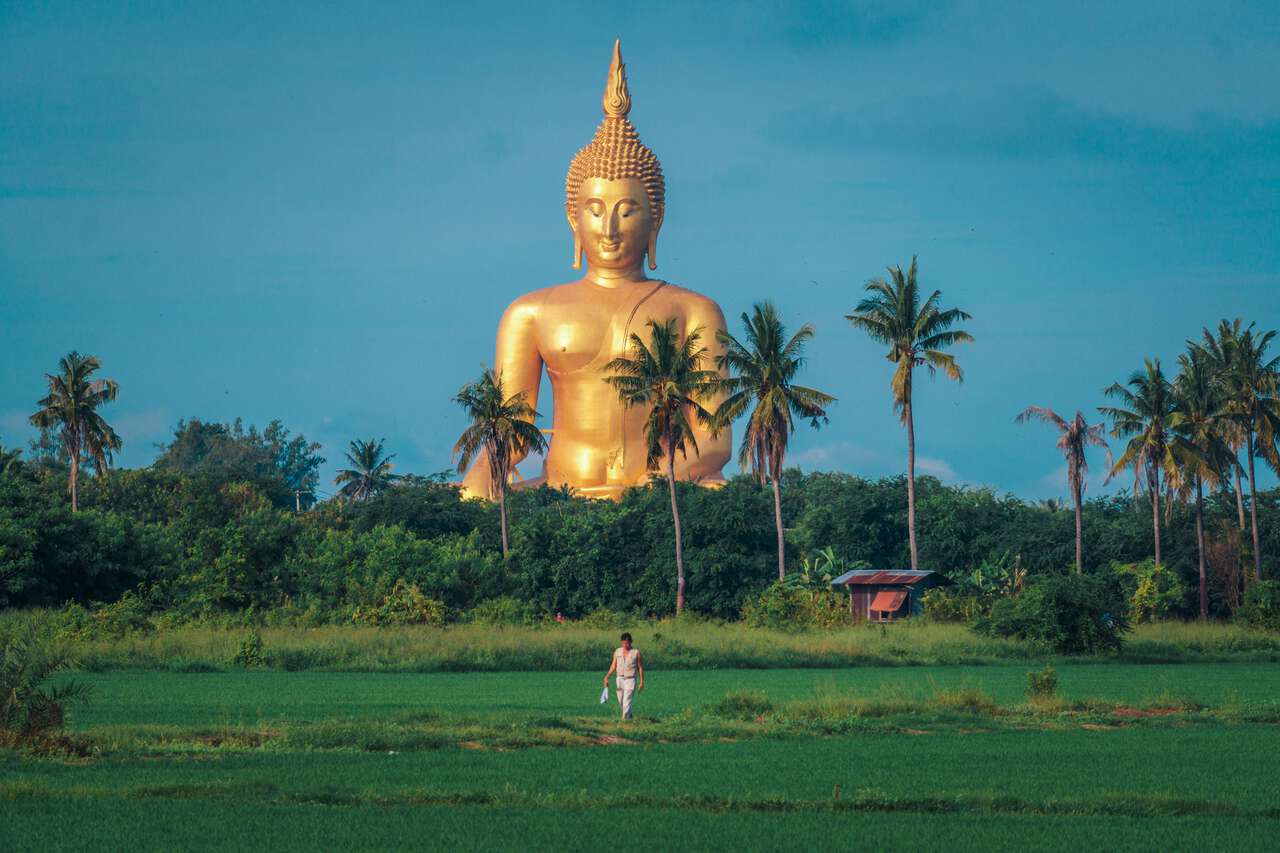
142 427
1055 482
840 455
939 468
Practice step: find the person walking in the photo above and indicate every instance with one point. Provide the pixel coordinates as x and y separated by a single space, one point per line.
629 666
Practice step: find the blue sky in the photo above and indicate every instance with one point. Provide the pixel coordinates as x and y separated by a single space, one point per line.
319 215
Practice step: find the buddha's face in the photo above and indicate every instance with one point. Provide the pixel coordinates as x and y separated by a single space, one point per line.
613 223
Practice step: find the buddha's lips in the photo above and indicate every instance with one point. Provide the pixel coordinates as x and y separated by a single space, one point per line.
609 247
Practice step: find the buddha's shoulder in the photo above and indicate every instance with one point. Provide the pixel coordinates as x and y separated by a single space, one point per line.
551 293
690 301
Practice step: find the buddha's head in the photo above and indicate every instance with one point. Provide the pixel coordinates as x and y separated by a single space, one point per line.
614 193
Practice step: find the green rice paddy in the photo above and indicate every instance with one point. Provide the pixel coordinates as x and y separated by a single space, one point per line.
935 757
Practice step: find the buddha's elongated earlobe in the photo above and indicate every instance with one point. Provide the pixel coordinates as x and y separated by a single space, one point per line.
577 252
653 239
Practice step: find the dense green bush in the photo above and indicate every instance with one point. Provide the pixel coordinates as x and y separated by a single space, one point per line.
942 604
129 615
1261 606
1073 614
404 604
250 652
503 610
784 605
1154 591
1042 684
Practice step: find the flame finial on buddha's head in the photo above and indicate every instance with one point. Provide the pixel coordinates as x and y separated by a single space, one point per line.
616 150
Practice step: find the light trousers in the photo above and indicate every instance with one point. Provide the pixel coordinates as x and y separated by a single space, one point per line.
626 690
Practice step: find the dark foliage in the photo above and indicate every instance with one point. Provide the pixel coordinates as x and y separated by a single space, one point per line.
1073 614
285 468
1261 607
201 543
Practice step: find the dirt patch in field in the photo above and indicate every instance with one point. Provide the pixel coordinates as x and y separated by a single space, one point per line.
1134 713
1099 727
471 744
613 740
916 732
247 739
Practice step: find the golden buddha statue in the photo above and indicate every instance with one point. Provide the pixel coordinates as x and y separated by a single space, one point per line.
615 201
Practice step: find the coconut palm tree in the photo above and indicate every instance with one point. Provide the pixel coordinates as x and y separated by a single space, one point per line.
71 407
761 372
502 429
370 471
1251 383
667 377
1197 402
1146 417
9 458
1073 437
916 333
1222 349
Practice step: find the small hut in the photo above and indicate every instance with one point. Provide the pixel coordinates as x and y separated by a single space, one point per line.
883 596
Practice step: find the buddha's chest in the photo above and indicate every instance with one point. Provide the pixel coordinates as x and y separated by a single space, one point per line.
588 332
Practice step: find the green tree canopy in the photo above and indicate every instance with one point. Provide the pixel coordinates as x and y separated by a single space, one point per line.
272 458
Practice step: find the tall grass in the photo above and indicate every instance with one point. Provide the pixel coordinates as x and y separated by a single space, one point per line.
669 644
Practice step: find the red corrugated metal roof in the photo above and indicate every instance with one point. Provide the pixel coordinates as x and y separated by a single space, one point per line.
882 578
888 600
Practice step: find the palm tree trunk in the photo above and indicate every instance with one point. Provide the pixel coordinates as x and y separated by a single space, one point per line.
1239 495
675 518
1075 489
1204 590
502 513
911 478
1253 515
73 479
1155 509
777 520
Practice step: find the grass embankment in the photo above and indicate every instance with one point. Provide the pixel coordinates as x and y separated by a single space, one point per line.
683 644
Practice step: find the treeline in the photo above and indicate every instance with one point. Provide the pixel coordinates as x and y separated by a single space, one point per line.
211 541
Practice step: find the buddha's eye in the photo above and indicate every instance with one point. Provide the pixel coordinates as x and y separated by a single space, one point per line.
596 208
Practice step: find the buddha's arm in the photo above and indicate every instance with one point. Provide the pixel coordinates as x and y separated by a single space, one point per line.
520 364
713 452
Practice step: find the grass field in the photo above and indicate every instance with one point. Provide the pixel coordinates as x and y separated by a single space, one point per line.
262 697
913 757
669 645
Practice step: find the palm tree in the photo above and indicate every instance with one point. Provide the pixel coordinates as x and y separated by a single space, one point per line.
72 407
1197 401
668 379
502 429
1073 437
762 370
1222 350
1252 384
9 459
1146 415
916 333
370 471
